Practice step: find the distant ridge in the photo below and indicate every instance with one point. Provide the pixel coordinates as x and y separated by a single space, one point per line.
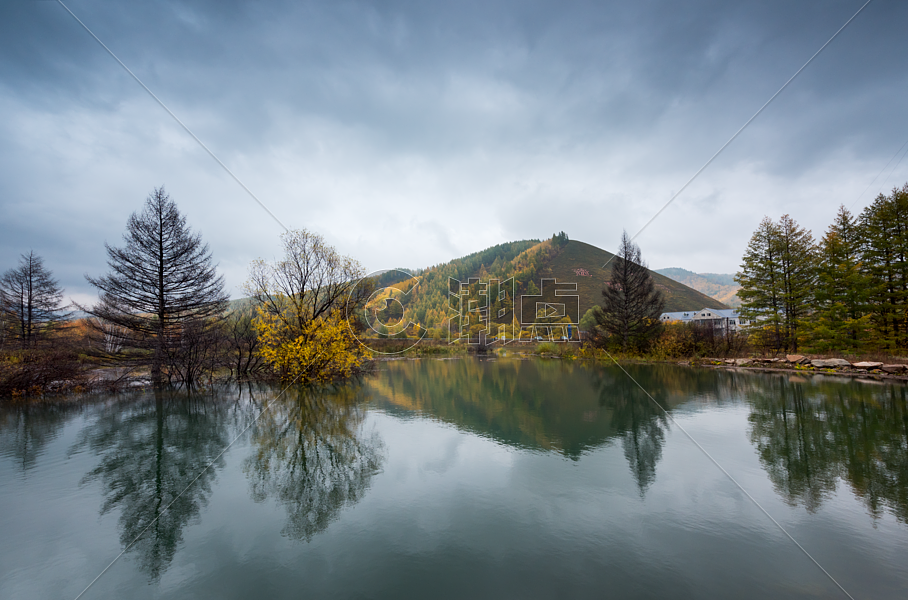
720 286
578 256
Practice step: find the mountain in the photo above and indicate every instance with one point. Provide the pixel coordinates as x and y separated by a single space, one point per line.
528 262
579 256
720 286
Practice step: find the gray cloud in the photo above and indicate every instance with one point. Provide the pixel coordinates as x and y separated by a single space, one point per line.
408 133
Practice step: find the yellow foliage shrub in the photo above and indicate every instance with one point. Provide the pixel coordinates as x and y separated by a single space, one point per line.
325 350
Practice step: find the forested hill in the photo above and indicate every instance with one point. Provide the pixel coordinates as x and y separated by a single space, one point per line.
579 256
528 262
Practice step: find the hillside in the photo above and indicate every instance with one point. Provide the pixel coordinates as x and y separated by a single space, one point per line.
580 256
720 286
528 262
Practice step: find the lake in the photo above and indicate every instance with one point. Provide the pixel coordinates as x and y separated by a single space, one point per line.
479 478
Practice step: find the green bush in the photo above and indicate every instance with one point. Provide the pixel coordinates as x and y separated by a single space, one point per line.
547 348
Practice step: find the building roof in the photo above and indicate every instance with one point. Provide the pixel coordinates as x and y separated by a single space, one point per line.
690 315
678 316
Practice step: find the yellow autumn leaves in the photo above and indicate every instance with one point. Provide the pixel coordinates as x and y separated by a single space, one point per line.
325 349
305 311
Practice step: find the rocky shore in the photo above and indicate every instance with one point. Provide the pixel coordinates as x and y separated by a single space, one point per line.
801 363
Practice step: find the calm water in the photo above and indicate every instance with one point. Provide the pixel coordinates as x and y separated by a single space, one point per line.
463 478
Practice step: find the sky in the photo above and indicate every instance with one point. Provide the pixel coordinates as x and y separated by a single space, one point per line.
411 133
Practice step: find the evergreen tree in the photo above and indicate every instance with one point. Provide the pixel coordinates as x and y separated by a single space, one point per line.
777 277
631 304
760 279
840 320
797 253
884 228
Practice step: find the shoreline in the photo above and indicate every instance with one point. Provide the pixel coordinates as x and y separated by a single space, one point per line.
868 375
860 376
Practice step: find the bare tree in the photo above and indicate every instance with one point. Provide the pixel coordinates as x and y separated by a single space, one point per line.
30 301
161 289
197 353
310 282
631 304
241 344
111 335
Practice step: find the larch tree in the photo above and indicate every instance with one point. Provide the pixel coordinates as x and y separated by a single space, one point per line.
884 229
797 252
162 291
840 319
30 301
631 304
761 284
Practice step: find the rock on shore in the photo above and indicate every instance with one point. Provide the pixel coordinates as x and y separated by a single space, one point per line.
817 363
829 363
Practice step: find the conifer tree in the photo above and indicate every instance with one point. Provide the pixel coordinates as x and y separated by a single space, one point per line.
884 228
760 279
30 301
161 285
797 254
840 319
777 277
631 304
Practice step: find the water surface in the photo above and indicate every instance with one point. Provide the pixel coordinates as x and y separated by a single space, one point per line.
452 478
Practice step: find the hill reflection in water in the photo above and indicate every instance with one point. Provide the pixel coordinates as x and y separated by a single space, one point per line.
810 434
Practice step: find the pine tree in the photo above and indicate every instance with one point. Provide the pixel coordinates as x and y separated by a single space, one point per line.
797 253
777 278
760 279
160 284
884 228
631 304
840 319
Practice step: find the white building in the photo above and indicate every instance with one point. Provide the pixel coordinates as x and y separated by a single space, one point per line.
726 318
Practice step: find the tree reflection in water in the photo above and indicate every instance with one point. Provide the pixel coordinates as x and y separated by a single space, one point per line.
811 434
638 422
26 427
312 455
151 447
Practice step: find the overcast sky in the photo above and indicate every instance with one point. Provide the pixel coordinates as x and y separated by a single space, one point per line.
410 133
